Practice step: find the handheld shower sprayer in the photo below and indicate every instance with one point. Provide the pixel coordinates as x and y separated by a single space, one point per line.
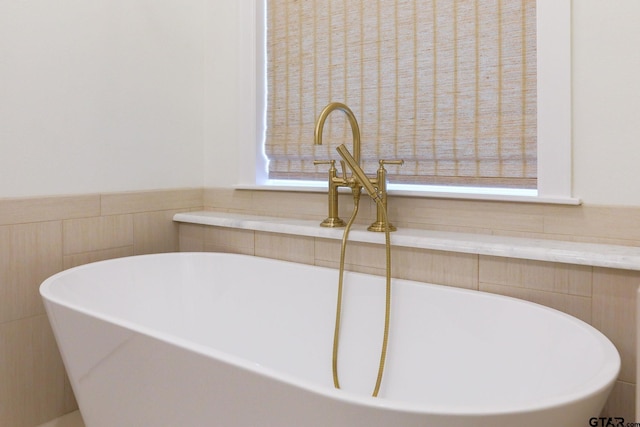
359 173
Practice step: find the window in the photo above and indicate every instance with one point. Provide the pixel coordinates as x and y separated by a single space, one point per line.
553 112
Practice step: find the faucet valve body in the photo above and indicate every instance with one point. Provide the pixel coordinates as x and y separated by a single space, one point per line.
381 180
332 220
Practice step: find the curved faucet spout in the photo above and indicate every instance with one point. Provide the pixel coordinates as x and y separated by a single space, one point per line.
355 129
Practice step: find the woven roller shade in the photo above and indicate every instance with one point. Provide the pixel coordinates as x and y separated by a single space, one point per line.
448 86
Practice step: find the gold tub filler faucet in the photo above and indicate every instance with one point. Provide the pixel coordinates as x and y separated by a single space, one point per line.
377 184
376 188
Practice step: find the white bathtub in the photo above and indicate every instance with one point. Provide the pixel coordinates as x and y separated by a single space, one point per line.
209 339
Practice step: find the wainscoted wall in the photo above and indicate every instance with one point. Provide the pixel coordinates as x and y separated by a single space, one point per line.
602 297
41 236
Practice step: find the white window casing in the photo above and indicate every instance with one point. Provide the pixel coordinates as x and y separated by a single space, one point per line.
553 110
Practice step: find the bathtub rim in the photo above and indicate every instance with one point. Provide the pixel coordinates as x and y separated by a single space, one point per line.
597 384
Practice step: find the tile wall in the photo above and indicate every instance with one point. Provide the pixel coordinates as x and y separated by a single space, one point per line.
41 236
605 298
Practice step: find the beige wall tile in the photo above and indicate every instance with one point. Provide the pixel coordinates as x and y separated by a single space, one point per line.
360 257
500 271
191 237
556 277
541 276
95 234
273 203
466 214
31 373
327 252
614 313
218 239
226 199
576 306
29 253
593 221
573 279
38 209
537 275
441 268
621 402
351 267
228 249
155 232
75 260
288 248
366 209
357 253
284 204
479 206
69 403
299 205
33 387
147 201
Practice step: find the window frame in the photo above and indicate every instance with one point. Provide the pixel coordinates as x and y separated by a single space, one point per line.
554 114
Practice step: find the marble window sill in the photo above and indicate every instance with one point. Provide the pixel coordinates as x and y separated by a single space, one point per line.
593 254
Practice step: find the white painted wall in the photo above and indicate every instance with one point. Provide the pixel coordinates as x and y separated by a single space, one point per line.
111 95
606 101
222 120
100 95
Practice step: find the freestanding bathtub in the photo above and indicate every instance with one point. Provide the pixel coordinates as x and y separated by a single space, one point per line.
211 339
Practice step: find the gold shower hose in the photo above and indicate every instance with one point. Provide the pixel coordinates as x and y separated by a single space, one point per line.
336 333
